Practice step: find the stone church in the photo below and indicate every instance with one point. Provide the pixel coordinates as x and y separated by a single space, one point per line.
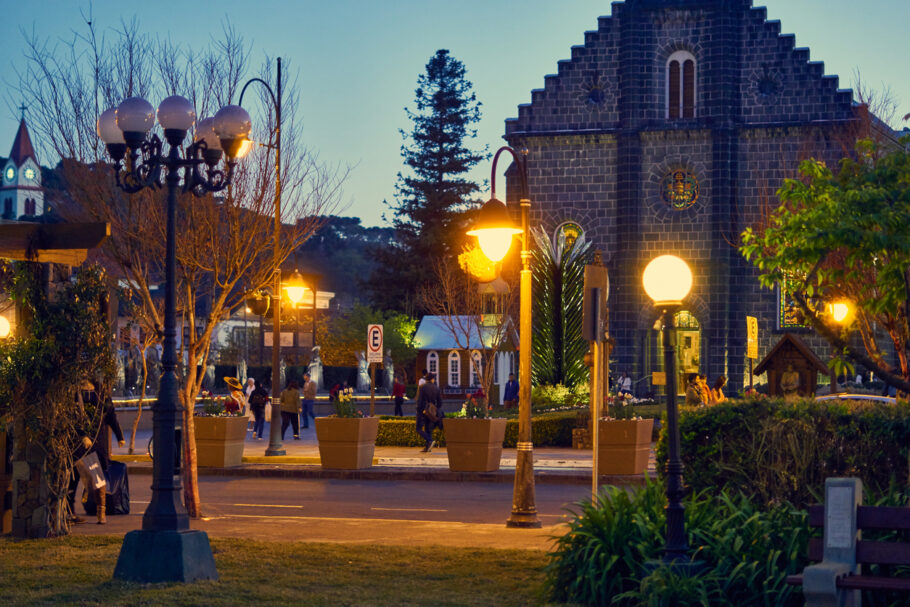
669 131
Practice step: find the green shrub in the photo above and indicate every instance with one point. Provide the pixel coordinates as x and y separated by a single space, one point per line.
775 451
747 552
547 430
557 396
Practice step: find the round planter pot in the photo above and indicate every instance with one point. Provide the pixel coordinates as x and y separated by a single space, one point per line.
624 446
346 442
474 445
219 441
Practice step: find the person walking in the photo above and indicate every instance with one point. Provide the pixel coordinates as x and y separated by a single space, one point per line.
309 399
625 384
426 421
290 409
398 395
248 391
259 398
510 393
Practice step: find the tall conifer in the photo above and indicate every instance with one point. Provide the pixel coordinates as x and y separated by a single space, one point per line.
432 194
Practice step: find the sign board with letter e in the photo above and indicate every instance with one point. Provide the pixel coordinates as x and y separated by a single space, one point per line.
751 337
374 343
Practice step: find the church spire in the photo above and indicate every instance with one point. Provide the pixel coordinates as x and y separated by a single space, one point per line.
22 146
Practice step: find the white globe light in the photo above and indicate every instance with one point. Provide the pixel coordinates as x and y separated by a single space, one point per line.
107 127
135 115
176 113
205 131
840 311
667 279
4 327
233 122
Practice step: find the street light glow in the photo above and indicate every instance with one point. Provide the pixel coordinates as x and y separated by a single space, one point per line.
495 242
494 229
667 279
4 327
295 288
840 311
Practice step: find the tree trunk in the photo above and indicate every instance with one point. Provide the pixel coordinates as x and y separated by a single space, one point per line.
190 471
145 375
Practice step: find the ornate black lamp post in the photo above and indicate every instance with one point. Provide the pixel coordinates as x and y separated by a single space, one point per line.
494 230
667 280
275 447
166 549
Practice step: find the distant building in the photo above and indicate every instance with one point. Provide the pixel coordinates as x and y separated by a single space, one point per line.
669 131
438 352
21 193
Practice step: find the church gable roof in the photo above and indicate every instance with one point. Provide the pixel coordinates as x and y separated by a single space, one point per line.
22 146
616 79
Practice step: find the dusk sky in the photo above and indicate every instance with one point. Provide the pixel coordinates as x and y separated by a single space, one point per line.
357 61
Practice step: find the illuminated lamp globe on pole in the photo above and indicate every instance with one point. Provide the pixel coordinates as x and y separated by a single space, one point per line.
667 281
494 230
295 287
166 549
841 312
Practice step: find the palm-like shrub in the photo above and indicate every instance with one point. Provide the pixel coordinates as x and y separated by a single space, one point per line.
557 356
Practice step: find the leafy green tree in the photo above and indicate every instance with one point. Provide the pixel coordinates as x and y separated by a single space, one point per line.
557 356
430 198
344 335
843 236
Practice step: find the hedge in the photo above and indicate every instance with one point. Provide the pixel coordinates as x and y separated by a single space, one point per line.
547 430
776 451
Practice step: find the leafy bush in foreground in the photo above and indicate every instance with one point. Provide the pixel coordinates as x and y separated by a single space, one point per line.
747 552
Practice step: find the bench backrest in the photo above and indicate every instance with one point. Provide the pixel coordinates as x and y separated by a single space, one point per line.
869 517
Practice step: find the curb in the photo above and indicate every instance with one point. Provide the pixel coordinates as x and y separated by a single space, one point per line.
393 473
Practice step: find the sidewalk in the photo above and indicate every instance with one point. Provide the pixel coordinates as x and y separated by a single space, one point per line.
557 465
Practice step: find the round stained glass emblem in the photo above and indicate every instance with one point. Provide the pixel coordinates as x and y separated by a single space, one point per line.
679 190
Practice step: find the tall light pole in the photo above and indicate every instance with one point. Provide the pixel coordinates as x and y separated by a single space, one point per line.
166 549
667 280
494 230
275 447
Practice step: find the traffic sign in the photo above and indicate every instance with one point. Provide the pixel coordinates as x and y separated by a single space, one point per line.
374 343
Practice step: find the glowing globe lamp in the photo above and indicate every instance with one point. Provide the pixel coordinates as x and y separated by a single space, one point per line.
840 311
494 230
4 327
667 280
295 288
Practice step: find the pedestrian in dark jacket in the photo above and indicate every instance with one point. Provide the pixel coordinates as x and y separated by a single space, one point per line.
398 395
429 394
259 398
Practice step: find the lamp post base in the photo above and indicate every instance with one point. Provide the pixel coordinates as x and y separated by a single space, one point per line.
682 566
525 520
166 556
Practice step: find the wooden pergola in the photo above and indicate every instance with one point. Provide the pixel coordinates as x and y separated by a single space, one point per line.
63 243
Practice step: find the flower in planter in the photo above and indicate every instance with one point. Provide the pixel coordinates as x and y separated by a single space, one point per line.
215 407
471 409
344 404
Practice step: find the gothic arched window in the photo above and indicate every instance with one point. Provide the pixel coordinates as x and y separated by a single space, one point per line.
475 366
454 368
681 85
433 363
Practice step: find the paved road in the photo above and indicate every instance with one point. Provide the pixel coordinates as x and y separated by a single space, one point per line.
386 512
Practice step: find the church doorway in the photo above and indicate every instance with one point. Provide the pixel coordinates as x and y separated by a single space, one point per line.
687 337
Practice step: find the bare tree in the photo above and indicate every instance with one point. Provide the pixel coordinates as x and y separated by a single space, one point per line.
225 242
476 315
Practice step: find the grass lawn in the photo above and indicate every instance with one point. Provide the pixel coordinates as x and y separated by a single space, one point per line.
77 571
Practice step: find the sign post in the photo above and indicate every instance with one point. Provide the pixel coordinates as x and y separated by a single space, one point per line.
751 343
374 355
594 330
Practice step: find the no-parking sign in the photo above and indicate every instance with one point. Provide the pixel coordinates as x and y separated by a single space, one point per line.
374 343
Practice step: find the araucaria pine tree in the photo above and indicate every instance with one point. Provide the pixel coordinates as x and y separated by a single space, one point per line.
433 193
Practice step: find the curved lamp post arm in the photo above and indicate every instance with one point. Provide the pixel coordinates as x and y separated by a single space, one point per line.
522 170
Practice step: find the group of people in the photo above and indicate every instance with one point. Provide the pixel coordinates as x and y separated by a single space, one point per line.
699 394
253 401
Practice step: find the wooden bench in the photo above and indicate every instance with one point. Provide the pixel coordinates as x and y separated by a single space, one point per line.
837 579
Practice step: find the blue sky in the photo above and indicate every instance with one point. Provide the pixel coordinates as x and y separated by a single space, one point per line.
357 61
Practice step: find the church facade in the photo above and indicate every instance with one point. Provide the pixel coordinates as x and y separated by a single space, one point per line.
20 186
669 131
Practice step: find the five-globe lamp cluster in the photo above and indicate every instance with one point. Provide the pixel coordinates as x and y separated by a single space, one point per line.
126 128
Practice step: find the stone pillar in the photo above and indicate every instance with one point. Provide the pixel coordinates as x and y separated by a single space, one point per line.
6 485
30 496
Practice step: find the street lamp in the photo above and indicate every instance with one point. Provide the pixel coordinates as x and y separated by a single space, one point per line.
494 230
295 288
166 549
275 447
667 280
841 312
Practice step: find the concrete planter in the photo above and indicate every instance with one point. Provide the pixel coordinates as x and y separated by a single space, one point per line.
474 445
219 441
624 445
347 442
